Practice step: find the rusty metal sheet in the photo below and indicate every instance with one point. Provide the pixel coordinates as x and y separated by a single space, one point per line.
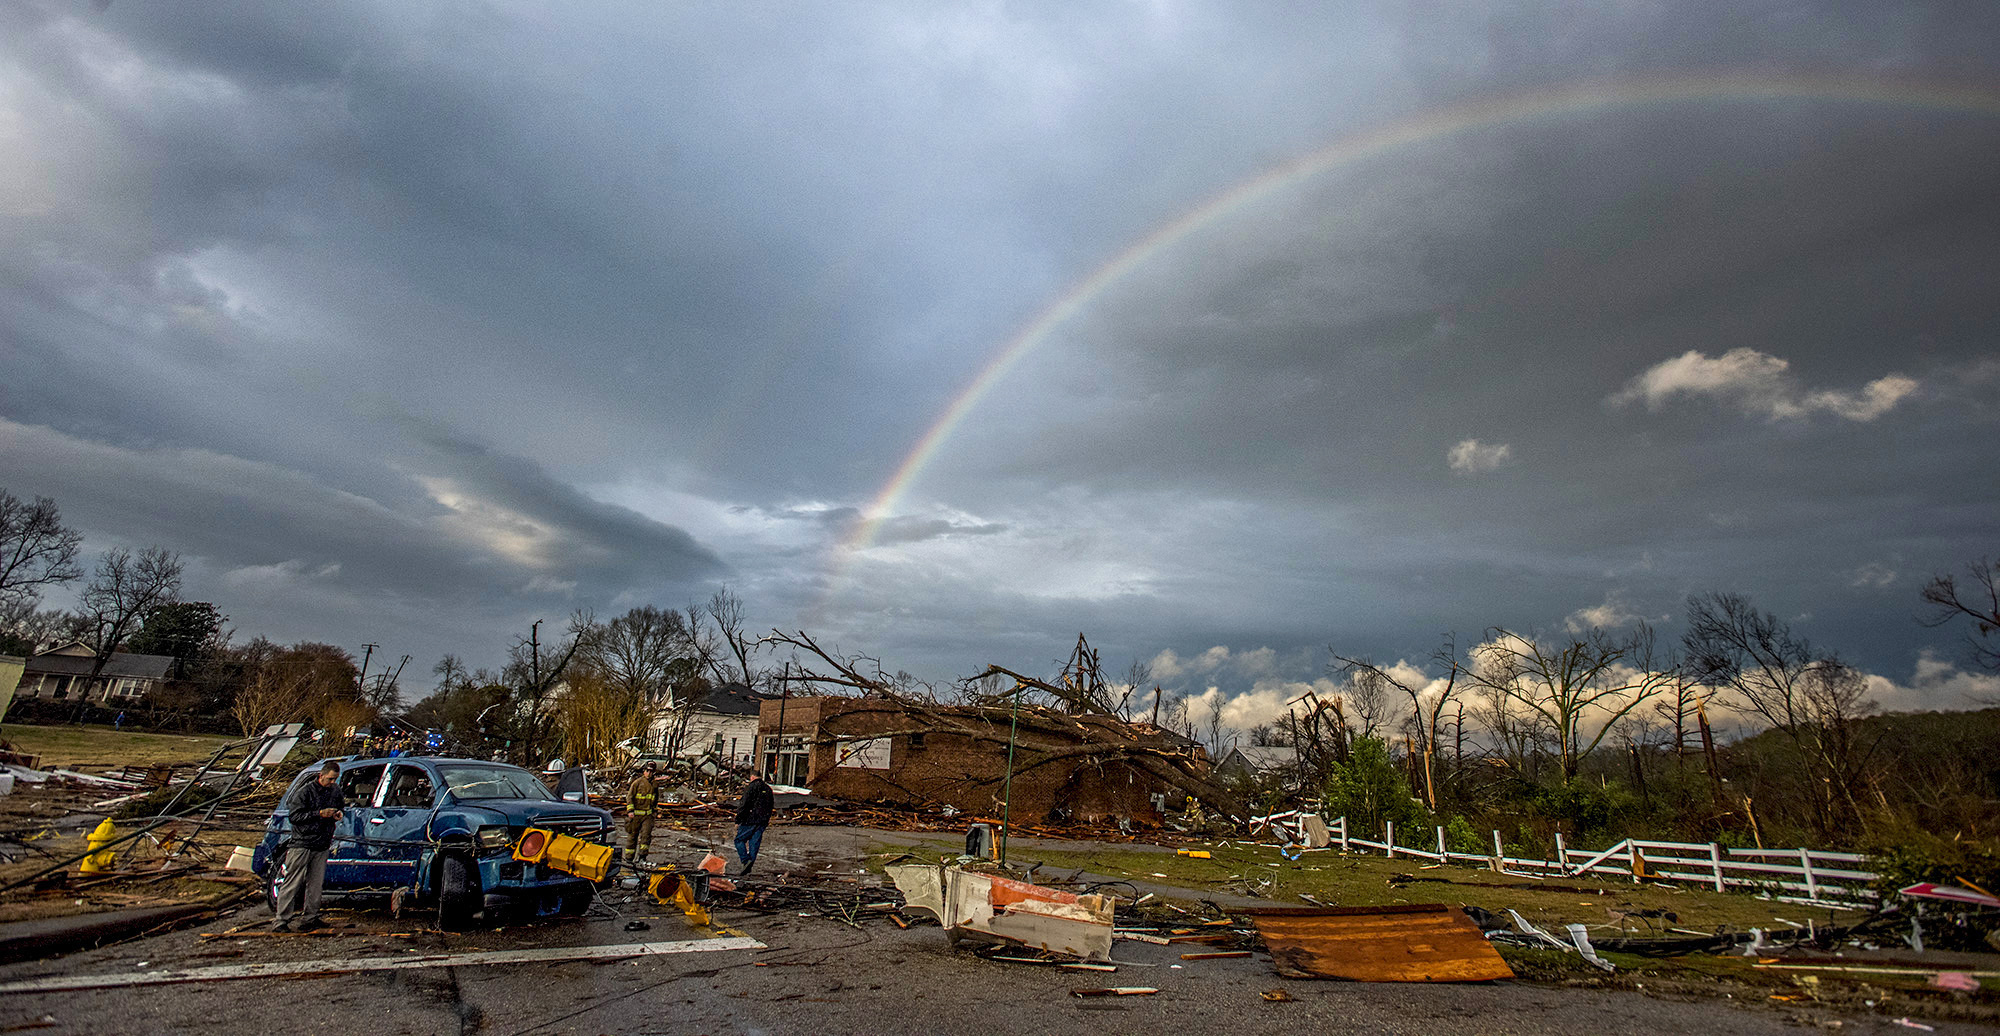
1413 943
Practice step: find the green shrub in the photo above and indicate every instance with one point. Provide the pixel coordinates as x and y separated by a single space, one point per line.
1369 790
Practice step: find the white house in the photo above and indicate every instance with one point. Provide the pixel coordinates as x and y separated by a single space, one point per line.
722 723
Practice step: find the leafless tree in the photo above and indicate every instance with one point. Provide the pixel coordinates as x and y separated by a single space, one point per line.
641 653
1813 699
725 610
1676 707
1571 685
36 549
1978 600
122 591
1372 680
535 667
451 674
1367 700
1137 676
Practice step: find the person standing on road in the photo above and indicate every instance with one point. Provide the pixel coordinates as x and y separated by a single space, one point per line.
753 814
314 810
641 798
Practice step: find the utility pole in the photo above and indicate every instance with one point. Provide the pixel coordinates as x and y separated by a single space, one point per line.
784 699
535 686
361 681
1007 788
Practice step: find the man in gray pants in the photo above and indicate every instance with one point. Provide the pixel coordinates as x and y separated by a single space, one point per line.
314 810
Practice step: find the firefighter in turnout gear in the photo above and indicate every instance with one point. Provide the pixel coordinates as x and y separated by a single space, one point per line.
640 798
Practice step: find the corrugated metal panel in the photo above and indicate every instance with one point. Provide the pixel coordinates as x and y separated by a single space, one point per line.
1415 943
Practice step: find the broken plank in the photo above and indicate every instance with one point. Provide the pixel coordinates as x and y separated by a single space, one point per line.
1116 991
1401 943
1220 955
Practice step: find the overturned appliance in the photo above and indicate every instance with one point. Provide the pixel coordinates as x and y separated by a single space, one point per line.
996 908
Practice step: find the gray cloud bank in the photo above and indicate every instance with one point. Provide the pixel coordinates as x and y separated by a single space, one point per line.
444 318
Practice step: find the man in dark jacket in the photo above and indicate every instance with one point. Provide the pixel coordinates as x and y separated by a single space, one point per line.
314 809
753 814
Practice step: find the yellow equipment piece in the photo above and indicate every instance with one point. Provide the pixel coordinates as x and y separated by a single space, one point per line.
100 857
534 844
677 895
575 856
1199 854
586 860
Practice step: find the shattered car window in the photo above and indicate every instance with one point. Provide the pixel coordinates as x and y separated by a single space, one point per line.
493 782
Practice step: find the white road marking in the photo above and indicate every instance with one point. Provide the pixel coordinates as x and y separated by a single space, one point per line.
229 972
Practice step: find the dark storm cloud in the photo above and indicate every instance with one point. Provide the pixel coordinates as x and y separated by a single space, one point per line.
372 305
495 524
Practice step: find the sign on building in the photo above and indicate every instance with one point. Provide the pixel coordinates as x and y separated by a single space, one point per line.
872 754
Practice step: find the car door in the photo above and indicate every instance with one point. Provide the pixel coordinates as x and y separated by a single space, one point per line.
347 866
397 824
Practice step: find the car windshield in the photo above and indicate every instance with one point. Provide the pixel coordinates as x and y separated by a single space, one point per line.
493 781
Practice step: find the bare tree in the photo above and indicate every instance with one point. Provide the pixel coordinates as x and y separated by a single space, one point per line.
1137 676
1676 706
36 549
534 668
1372 680
1978 600
1367 700
1571 685
123 590
725 610
1813 699
641 652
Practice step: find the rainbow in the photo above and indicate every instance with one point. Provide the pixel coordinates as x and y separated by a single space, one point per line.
1427 126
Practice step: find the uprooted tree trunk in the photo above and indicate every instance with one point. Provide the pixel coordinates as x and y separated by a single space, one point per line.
1042 736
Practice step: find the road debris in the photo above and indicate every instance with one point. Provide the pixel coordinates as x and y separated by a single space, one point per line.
1413 943
966 901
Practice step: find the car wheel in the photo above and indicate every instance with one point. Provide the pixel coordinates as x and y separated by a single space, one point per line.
458 894
274 875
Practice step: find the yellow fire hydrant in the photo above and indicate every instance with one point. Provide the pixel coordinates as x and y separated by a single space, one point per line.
100 857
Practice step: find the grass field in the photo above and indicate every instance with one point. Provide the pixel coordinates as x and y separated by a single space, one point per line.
102 746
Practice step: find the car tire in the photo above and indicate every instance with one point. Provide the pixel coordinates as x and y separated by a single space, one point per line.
274 875
458 897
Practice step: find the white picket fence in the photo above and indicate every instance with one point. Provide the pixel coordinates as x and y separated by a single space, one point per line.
1810 876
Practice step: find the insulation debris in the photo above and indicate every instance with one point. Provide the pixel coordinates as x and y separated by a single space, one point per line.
1013 911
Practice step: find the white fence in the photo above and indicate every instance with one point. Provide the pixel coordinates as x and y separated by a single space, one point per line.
1800 875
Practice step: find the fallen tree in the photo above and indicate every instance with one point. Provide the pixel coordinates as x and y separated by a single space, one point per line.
1080 729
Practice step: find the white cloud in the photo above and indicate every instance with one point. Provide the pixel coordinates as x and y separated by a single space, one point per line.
1875 575
1167 666
1759 384
1473 456
291 574
1613 613
1935 684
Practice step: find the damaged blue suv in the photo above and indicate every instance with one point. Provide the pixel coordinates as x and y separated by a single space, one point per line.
443 831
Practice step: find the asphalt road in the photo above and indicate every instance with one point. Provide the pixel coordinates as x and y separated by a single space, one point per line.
814 977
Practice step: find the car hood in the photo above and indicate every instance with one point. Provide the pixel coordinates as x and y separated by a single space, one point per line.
536 812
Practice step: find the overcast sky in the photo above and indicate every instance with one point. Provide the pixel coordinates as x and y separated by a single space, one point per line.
411 323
